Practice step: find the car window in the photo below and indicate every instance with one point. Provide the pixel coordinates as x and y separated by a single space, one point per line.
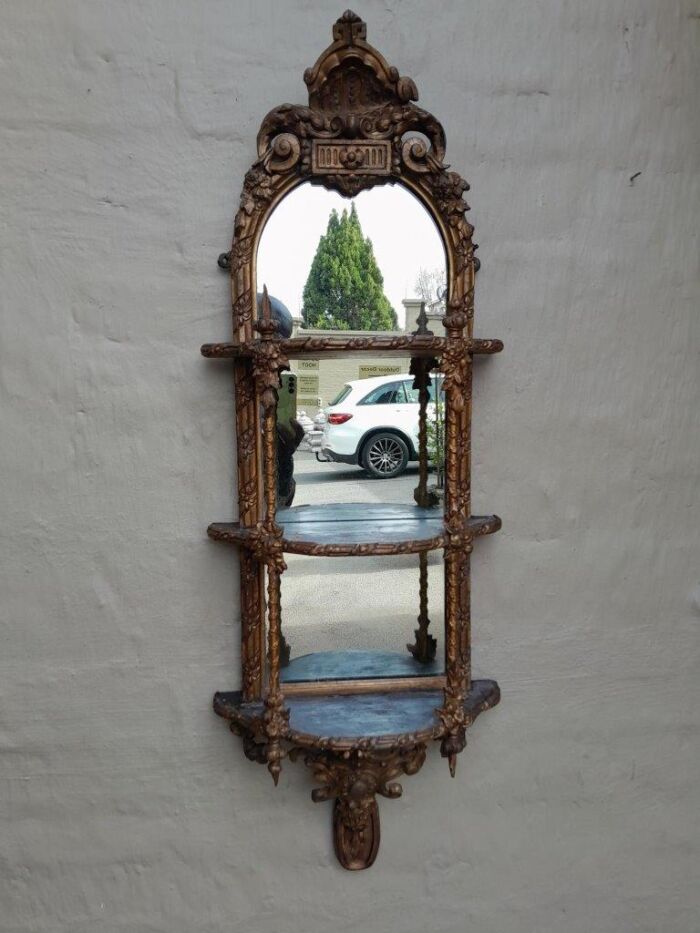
412 394
344 392
389 394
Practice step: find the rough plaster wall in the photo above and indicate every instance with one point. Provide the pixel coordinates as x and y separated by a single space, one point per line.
126 131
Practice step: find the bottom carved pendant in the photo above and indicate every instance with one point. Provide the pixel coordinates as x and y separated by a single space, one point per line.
353 779
356 833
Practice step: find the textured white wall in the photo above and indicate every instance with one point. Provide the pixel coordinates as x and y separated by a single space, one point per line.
126 131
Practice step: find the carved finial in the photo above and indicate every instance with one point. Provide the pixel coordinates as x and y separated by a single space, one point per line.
349 27
453 743
266 306
275 768
422 321
452 761
265 325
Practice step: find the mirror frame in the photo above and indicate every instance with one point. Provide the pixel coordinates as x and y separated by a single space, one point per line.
361 128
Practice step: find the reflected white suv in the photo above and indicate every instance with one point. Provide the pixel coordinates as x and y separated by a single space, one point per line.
373 423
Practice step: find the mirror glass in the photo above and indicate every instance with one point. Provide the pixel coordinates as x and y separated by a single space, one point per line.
348 425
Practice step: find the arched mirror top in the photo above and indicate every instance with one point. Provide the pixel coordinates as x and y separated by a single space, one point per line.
352 265
361 128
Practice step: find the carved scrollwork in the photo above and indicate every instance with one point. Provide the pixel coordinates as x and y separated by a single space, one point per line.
448 190
302 123
418 157
269 548
354 780
414 345
245 392
247 494
253 748
348 185
414 153
269 360
375 771
247 440
454 366
459 311
258 189
241 255
391 549
282 154
420 345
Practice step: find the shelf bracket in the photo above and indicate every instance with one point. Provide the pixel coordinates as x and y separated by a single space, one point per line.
354 780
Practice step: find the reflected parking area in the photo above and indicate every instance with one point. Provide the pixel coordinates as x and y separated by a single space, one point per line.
359 602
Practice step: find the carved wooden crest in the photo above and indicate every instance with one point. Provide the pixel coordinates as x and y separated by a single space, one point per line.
360 128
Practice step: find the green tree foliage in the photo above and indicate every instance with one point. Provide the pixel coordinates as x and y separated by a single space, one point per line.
345 289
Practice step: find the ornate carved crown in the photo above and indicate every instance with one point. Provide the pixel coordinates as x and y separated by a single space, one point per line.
360 109
351 76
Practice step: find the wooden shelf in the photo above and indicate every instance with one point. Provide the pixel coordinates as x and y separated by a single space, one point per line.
355 529
337 346
344 723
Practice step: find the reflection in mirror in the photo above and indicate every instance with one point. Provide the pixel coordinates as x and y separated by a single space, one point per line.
341 264
348 425
328 614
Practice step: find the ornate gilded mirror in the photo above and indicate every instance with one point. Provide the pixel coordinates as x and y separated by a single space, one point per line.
352 274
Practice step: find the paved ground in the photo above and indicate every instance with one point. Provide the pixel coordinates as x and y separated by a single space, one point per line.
336 482
354 602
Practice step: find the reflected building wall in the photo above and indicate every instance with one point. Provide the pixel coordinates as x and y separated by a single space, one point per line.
319 381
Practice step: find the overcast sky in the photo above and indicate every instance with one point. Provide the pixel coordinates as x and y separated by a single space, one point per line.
403 235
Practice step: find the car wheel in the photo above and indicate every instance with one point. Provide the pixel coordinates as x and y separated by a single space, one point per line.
385 455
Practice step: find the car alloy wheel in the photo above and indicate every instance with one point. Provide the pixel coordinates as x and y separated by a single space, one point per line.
386 455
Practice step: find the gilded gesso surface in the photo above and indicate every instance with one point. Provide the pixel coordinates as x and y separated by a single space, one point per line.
361 128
